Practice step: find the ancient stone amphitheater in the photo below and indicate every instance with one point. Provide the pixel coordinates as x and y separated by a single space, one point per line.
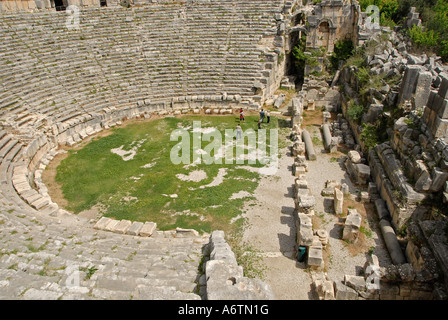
61 84
70 69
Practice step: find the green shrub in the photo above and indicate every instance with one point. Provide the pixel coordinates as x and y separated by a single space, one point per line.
423 39
298 52
343 50
363 76
373 134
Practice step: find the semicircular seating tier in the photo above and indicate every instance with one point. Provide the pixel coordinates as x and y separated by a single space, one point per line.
58 85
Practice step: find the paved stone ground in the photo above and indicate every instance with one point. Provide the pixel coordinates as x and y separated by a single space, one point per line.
271 227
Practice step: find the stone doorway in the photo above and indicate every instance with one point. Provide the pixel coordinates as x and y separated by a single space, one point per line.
103 3
324 35
59 5
297 39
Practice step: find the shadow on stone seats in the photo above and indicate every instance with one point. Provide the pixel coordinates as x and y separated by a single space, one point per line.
284 123
336 232
287 210
287 245
289 221
328 205
290 192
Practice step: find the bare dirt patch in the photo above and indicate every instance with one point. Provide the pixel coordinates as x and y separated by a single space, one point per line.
312 118
95 212
195 176
49 179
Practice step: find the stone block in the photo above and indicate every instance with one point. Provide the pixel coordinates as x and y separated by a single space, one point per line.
338 201
363 173
298 170
439 178
409 82
442 112
101 224
343 292
327 192
185 233
422 89
351 226
355 282
306 202
315 257
122 227
323 286
299 149
135 228
301 184
443 89
311 106
304 221
354 156
111 225
345 189
424 181
305 237
440 127
373 113
148 229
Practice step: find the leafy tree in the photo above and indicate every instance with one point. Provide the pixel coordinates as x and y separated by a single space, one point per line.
298 52
424 39
343 49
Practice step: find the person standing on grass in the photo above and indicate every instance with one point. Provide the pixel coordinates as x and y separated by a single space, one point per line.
262 114
242 115
238 131
268 116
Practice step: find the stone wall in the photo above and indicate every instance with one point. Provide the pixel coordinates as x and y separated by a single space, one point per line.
47 5
224 279
332 20
410 168
435 114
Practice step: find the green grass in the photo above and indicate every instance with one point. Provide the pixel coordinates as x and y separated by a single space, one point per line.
95 175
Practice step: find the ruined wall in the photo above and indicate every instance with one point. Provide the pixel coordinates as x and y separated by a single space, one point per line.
410 169
18 5
38 5
332 20
224 278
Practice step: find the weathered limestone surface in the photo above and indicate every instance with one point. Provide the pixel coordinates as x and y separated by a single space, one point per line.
332 20
359 172
392 243
338 201
395 173
44 112
304 230
224 278
351 226
310 152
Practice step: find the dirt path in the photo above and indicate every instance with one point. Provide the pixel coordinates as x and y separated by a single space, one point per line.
271 229
271 226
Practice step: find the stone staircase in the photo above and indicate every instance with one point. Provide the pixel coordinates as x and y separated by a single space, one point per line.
119 57
43 258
